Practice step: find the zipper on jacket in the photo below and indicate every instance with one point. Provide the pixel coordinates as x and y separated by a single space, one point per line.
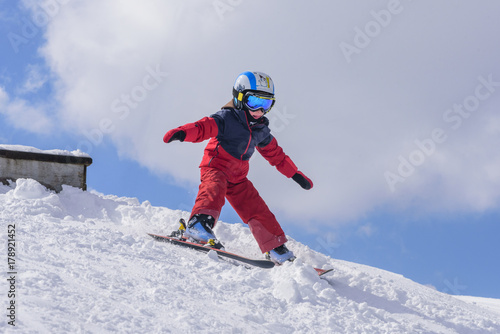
216 149
249 139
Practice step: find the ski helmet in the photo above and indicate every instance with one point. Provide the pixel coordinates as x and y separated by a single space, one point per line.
253 91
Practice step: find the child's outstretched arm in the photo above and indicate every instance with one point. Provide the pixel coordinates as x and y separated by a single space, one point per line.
274 154
193 132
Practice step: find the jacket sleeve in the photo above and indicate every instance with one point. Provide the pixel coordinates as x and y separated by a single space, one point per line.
196 132
274 154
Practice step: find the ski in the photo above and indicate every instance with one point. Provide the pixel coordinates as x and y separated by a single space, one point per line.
265 264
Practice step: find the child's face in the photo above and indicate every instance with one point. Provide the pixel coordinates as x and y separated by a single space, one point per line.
256 114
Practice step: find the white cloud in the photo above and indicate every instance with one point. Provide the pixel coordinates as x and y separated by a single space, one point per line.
352 120
366 230
4 97
35 80
21 114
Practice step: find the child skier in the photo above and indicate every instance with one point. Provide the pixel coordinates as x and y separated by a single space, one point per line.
235 132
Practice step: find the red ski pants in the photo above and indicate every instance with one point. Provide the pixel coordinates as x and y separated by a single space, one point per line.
245 200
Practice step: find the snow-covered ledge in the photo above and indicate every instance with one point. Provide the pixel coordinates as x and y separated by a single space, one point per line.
52 168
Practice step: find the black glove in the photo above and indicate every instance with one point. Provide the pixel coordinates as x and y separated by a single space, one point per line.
178 135
302 180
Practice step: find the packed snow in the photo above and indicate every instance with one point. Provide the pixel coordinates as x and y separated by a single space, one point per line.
84 264
30 149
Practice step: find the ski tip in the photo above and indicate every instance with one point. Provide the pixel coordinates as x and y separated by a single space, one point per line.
322 272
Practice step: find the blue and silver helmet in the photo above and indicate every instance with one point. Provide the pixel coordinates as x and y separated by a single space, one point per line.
253 90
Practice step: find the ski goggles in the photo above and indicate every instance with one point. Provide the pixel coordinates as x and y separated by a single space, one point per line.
254 101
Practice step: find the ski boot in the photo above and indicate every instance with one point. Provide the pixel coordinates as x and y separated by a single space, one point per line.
280 255
199 229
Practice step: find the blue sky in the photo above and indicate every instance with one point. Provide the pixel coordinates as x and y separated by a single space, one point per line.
391 107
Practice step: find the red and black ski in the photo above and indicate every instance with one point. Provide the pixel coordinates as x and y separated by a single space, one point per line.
221 253
266 264
321 272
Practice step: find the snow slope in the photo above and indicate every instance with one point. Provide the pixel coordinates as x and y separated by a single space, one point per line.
85 265
488 303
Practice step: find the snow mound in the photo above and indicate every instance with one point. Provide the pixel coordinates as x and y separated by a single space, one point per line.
29 189
85 265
